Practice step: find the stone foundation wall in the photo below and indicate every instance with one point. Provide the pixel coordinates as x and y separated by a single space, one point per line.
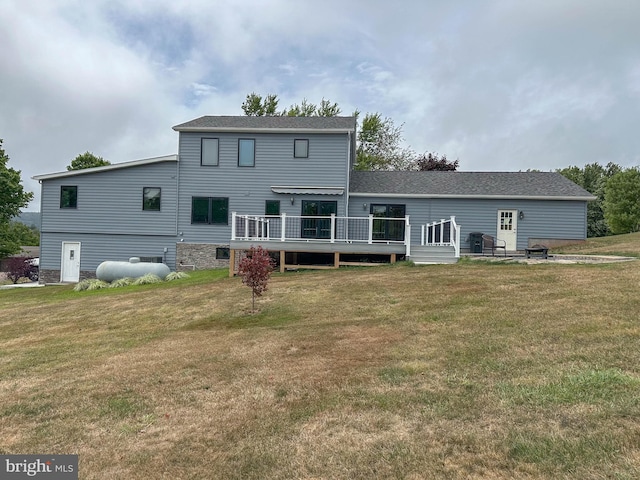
199 256
53 276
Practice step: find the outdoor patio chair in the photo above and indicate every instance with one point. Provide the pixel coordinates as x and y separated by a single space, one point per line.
493 244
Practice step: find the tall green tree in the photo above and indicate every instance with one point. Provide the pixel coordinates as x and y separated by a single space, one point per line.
306 109
22 235
380 145
622 201
13 197
328 109
593 178
87 160
256 106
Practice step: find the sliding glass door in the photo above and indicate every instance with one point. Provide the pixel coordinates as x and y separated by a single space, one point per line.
317 227
392 230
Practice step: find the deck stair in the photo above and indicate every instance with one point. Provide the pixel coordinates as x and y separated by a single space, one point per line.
432 254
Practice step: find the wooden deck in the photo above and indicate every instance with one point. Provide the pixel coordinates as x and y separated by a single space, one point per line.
331 237
337 250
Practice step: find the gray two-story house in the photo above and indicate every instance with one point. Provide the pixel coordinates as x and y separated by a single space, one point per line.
287 184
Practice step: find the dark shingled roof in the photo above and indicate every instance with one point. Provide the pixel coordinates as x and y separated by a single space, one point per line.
222 123
467 184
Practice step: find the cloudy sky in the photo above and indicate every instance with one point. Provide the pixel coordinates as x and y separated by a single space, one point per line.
502 85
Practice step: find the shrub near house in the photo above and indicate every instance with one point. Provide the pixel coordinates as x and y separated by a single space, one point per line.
21 267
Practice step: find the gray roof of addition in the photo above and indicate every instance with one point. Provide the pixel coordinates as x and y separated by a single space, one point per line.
113 166
435 184
268 123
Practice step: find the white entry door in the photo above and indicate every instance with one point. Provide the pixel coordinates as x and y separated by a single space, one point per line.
70 266
508 228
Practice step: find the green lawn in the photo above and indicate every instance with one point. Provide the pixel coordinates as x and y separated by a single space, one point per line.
474 370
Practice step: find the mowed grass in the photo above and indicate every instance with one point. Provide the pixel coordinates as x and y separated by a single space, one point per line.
474 370
627 245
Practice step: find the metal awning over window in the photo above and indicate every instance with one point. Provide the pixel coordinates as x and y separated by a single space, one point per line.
290 190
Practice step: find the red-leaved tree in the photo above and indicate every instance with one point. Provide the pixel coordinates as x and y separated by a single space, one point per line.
431 161
255 269
20 267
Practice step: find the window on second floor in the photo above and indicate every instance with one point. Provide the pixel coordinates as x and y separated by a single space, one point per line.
300 148
151 198
209 148
246 152
210 210
68 196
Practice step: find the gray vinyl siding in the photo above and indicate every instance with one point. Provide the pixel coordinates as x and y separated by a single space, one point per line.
552 219
247 188
97 248
110 202
109 220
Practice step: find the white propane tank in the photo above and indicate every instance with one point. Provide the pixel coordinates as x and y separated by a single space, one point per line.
109 271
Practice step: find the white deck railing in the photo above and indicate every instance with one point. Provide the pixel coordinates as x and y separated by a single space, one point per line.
443 232
330 229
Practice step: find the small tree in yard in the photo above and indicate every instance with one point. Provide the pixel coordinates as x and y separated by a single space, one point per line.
255 269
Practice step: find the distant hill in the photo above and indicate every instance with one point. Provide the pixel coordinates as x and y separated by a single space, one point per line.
30 219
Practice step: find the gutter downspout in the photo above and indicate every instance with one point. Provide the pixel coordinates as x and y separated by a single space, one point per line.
41 217
175 244
177 196
349 158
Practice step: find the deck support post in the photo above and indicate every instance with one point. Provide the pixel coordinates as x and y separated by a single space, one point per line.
282 260
336 260
232 262
393 258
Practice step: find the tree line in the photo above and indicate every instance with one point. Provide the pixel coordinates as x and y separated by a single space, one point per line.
13 198
617 191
